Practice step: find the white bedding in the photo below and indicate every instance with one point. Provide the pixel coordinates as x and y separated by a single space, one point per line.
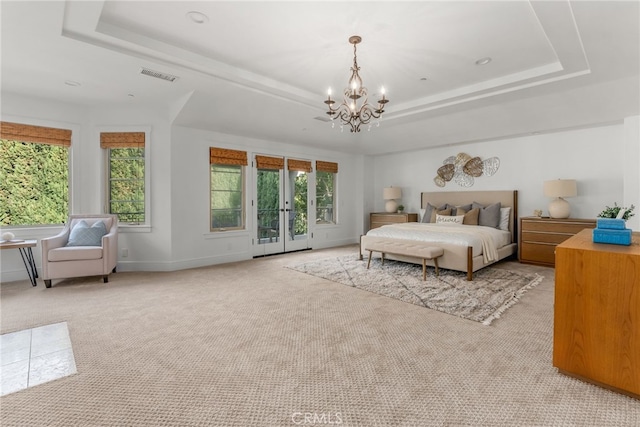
484 240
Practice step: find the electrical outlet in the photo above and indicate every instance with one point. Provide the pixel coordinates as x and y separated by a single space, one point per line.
125 253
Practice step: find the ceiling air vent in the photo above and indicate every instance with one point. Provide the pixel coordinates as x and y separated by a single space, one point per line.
158 75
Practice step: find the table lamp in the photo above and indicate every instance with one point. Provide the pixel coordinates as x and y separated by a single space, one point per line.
390 194
559 188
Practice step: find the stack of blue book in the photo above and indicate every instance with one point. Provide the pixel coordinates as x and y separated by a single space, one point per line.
613 231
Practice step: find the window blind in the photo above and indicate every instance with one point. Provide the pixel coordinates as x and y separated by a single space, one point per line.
122 140
224 156
299 165
37 134
266 162
326 166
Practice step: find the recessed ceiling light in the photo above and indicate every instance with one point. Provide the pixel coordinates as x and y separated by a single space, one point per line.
130 95
197 17
483 61
424 79
71 83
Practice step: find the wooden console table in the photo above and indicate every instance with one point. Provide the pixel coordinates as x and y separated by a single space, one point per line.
597 312
26 253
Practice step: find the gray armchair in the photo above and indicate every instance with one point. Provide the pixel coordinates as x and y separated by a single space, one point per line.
62 260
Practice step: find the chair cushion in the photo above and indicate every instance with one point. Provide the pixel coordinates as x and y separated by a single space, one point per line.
83 235
75 253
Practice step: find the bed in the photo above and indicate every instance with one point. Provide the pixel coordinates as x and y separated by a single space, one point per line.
467 248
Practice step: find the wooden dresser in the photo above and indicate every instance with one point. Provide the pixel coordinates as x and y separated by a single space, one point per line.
378 219
597 312
540 236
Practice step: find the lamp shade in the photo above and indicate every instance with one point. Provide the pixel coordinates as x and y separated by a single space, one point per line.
391 193
561 188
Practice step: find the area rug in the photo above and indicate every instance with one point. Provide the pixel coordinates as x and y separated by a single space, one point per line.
484 299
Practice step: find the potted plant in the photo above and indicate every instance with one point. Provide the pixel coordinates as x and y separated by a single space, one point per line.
400 208
612 212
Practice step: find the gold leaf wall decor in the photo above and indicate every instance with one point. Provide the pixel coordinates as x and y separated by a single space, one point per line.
462 169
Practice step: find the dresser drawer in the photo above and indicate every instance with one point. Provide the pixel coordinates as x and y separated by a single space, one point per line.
550 226
389 219
377 224
538 253
378 219
537 237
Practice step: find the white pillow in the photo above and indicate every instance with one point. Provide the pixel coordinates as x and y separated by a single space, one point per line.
422 212
504 218
444 219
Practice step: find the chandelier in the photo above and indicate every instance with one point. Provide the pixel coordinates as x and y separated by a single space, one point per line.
355 109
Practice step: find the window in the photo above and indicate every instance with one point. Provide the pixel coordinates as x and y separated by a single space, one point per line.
325 192
227 168
126 181
34 174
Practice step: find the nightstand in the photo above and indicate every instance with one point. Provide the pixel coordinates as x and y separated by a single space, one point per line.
540 236
378 219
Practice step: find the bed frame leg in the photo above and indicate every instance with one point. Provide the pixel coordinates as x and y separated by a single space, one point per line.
369 263
469 263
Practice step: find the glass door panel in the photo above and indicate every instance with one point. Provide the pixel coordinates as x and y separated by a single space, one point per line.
297 210
268 211
281 211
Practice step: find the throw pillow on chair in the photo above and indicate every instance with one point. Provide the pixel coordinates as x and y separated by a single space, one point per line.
83 235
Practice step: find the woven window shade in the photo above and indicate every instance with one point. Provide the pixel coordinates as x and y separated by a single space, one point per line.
37 134
299 165
122 140
326 166
224 156
266 162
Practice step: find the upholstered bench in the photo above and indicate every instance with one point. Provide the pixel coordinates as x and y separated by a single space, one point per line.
424 250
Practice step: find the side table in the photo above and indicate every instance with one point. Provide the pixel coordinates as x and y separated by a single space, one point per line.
24 246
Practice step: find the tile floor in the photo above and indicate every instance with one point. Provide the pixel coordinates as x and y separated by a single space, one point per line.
35 356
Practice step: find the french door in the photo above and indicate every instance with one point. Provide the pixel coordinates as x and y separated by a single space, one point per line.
281 205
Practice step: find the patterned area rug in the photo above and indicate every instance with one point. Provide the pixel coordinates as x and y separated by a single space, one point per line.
492 291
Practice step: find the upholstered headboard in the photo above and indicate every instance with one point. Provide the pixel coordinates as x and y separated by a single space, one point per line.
507 198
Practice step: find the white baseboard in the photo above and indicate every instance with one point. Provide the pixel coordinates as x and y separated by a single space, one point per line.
15 274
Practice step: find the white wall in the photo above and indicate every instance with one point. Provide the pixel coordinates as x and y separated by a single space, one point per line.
147 250
594 157
605 161
179 167
631 166
193 245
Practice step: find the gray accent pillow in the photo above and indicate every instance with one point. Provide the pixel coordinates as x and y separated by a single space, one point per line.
489 216
83 235
428 212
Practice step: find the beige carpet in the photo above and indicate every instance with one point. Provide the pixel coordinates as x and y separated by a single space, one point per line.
257 344
484 299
